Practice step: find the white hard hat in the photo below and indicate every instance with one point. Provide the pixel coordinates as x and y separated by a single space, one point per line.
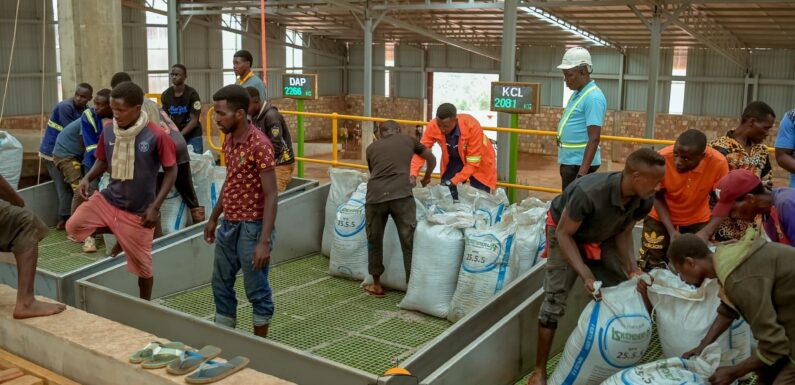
575 57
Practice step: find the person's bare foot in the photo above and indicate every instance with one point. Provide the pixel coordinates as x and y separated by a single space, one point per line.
116 250
37 308
375 290
61 225
538 378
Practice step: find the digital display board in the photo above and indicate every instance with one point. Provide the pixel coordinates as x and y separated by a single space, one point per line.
515 98
300 86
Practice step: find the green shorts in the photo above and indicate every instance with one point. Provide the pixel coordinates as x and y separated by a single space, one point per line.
22 230
559 276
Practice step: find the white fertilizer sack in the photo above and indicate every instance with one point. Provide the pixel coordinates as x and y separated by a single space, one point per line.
438 249
530 233
677 303
671 371
201 168
611 335
349 247
343 184
10 158
486 266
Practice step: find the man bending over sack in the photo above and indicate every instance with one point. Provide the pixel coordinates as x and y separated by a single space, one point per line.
758 283
467 153
389 194
21 232
133 148
589 235
745 197
692 170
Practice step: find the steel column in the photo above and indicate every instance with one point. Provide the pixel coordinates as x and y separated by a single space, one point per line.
367 127
368 66
654 71
507 74
173 33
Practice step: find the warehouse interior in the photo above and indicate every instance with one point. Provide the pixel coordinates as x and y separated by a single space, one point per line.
664 66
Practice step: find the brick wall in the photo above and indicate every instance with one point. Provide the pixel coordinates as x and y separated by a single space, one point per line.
630 124
27 122
623 123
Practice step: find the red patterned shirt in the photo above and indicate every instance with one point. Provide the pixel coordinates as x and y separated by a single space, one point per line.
244 199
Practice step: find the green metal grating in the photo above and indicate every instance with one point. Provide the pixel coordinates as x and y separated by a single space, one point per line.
654 353
359 352
60 255
327 316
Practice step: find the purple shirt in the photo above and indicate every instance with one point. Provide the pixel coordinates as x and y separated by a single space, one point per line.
784 203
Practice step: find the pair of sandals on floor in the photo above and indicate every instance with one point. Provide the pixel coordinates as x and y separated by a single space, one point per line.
179 360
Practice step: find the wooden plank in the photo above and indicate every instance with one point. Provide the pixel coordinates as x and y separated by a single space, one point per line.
8 360
10 374
26 380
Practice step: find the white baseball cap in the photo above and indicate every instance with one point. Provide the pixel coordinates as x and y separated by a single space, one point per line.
575 57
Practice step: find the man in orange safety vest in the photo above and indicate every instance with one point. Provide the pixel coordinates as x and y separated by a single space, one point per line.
467 154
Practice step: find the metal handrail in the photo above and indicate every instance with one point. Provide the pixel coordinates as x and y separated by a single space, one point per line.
154 96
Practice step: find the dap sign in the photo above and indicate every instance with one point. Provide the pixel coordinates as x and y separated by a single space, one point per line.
299 86
515 98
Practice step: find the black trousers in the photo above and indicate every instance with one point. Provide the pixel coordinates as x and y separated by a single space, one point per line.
404 213
184 185
568 173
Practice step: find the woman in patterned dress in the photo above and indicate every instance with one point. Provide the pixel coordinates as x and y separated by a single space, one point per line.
744 148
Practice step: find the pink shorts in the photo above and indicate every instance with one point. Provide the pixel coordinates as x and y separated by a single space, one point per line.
135 239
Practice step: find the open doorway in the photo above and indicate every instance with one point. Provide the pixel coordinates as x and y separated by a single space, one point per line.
470 93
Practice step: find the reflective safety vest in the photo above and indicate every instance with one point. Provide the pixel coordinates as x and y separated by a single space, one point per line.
567 114
474 148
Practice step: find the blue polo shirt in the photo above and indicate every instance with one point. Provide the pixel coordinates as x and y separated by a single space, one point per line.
786 137
586 107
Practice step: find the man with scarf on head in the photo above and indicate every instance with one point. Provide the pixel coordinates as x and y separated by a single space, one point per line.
132 149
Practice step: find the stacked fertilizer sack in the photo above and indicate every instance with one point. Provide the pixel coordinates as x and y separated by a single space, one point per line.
10 158
207 182
613 335
672 371
464 252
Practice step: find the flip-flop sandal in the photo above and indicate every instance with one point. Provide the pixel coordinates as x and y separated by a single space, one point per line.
192 359
151 349
212 371
163 357
377 294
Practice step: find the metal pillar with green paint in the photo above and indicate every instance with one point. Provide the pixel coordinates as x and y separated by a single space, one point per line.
299 106
514 158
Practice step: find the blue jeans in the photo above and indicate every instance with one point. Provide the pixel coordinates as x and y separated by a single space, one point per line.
198 144
235 244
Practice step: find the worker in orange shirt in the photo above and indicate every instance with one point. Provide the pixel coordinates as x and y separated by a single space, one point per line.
467 154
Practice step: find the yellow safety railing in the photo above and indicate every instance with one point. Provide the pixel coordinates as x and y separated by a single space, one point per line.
156 97
209 128
335 118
